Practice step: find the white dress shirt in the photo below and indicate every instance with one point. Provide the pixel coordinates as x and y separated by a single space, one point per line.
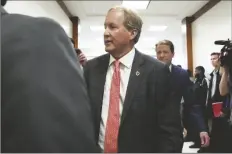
214 83
125 69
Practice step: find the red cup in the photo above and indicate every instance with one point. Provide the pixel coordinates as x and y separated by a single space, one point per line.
217 107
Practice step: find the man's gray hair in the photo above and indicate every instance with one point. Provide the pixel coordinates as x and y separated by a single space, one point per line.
132 21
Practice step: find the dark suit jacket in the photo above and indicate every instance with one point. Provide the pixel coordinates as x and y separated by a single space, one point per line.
182 87
44 106
146 125
200 89
216 97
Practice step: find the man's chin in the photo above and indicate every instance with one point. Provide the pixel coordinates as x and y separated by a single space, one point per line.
108 49
165 62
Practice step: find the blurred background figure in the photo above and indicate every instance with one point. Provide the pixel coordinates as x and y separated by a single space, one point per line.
225 88
190 74
181 88
200 89
217 124
81 57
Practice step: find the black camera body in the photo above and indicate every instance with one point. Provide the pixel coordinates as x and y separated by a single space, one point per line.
226 52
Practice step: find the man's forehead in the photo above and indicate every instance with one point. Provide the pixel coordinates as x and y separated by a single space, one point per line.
163 47
112 18
114 12
214 56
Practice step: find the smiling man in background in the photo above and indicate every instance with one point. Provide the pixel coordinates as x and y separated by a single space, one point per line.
181 87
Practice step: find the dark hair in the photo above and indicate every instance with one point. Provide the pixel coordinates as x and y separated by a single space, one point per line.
201 69
215 53
78 51
179 66
168 43
3 2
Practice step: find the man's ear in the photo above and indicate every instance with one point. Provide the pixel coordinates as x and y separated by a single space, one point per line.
173 54
134 33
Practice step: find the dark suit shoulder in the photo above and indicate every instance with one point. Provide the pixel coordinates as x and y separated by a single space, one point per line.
39 26
153 61
29 20
182 72
96 60
99 58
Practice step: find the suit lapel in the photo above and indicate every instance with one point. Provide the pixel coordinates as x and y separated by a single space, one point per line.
174 70
136 76
100 76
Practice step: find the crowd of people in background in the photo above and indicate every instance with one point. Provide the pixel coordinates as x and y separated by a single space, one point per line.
208 96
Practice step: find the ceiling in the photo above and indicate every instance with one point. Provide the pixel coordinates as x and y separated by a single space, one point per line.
158 13
40 9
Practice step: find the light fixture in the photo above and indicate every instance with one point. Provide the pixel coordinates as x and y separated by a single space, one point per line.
97 28
157 28
138 5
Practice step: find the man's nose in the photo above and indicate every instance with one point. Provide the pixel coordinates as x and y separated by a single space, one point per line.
106 32
162 55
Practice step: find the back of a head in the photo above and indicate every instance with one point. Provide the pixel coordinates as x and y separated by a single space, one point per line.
3 2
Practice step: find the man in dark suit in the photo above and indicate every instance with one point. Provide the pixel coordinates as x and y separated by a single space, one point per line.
181 87
218 124
44 105
129 92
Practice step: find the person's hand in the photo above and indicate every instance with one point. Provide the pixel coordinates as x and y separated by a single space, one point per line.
222 114
205 139
82 58
223 70
185 132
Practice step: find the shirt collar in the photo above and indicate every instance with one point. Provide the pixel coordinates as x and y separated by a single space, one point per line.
170 67
126 60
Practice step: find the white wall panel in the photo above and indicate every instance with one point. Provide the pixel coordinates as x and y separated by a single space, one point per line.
213 25
48 9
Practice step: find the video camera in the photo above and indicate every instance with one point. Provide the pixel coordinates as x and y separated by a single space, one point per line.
226 52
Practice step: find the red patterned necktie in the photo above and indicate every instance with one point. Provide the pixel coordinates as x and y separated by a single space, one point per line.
112 125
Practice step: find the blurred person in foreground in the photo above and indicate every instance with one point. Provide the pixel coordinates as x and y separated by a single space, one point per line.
225 89
44 107
181 87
